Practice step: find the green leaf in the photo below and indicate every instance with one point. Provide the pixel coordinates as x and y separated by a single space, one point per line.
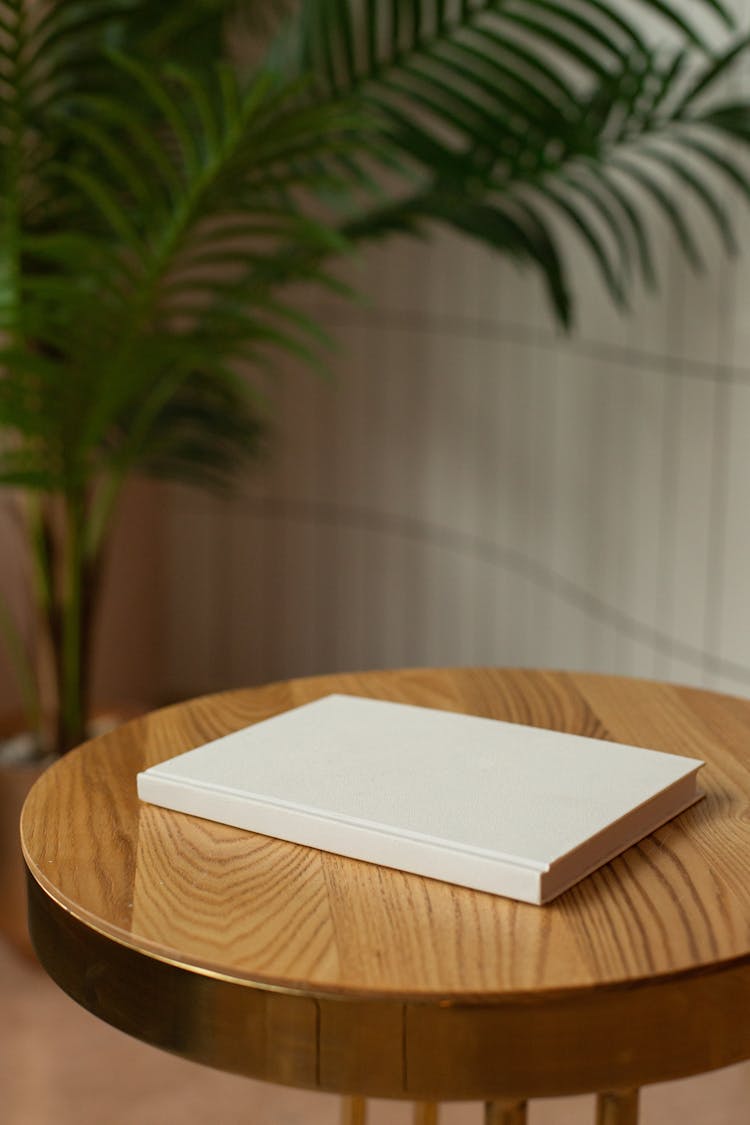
569 46
164 103
636 224
503 82
137 134
669 207
106 203
630 29
575 22
731 171
533 68
580 221
732 119
674 16
119 159
715 70
205 110
666 84
693 180
592 195
526 238
547 255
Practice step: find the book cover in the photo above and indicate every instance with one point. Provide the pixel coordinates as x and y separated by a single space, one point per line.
497 806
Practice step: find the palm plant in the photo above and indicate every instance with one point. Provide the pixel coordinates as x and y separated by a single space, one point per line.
153 215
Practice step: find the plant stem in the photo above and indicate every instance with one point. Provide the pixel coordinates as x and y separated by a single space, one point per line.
71 720
23 667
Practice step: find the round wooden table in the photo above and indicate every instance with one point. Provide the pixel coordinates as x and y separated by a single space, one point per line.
304 968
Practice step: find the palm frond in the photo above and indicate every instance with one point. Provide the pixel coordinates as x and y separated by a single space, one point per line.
193 208
521 112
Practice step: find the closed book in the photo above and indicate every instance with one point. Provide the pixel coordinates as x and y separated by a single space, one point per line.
496 806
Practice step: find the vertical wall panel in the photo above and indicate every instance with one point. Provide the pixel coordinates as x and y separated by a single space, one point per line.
733 608
402 421
647 389
350 398
196 651
693 502
668 486
246 579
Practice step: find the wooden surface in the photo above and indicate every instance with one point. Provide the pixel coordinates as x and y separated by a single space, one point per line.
661 935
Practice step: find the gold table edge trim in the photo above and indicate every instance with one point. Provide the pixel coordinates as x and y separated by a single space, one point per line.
391 1046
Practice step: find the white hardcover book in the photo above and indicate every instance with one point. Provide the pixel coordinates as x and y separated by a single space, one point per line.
496 806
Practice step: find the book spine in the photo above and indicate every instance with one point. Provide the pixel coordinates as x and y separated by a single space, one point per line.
418 857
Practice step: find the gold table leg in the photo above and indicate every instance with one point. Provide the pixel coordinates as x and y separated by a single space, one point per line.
353 1111
425 1113
617 1108
508 1111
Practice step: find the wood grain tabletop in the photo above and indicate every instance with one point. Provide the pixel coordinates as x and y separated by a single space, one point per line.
672 912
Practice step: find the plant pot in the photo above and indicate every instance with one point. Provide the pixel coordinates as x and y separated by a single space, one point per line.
19 769
16 779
